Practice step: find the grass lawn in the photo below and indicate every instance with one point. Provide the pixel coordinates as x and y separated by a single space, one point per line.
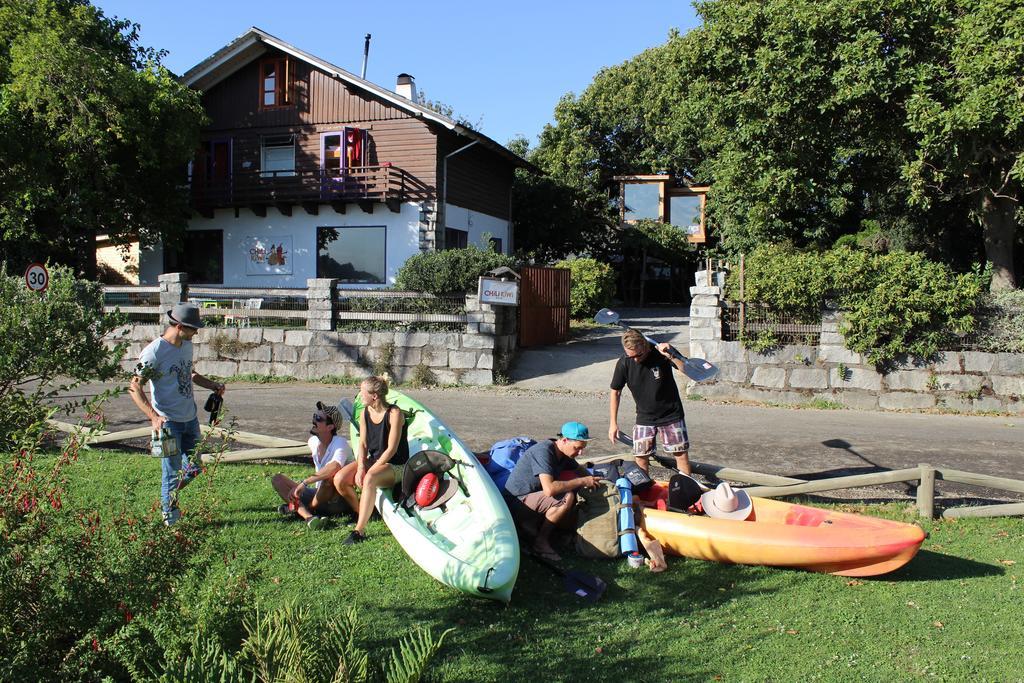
954 613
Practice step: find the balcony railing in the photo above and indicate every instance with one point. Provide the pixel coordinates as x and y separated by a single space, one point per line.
308 186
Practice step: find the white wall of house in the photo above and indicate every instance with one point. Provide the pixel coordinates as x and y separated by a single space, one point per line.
477 224
402 241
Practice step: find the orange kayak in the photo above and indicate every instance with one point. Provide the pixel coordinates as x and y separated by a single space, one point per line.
782 534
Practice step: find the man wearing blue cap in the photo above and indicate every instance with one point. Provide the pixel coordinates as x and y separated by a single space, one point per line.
536 489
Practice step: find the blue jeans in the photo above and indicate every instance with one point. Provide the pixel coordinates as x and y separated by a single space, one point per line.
187 435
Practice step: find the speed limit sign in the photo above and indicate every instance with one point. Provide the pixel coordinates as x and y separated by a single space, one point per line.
37 277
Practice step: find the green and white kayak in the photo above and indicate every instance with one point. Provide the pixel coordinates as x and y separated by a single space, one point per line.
470 543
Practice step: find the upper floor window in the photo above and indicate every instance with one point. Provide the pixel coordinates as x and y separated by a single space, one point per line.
277 83
277 156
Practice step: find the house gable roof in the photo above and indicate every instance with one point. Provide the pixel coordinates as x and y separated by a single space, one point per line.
256 42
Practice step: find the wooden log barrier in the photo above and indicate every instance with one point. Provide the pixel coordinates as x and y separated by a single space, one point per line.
835 483
259 454
926 491
1005 509
984 480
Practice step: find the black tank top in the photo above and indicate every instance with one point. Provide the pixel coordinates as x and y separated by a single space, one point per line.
377 438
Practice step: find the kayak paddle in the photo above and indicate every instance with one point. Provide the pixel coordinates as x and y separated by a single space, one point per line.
697 369
584 586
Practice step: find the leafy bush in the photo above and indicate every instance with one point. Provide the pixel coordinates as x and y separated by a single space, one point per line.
895 304
72 581
49 337
592 285
664 240
1000 322
450 271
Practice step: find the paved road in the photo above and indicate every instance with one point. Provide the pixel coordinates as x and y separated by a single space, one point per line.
586 362
773 440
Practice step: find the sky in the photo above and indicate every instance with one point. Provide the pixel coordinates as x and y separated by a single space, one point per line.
502 66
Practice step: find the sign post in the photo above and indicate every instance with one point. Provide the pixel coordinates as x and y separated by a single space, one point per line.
37 277
499 291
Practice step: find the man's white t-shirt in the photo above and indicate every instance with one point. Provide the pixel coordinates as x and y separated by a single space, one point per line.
170 383
338 450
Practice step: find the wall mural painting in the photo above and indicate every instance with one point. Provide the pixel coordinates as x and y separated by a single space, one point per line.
268 256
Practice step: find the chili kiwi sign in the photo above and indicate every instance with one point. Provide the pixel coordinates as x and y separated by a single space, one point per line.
499 292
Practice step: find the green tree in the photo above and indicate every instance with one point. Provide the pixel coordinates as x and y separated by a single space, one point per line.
52 341
555 218
817 119
968 115
95 134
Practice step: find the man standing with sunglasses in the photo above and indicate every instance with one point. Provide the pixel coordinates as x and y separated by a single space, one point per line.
166 364
647 371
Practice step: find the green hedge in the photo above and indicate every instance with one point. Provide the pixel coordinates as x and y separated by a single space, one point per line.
450 271
592 285
895 305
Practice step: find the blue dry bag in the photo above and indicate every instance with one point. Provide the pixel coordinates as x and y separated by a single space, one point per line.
504 456
627 526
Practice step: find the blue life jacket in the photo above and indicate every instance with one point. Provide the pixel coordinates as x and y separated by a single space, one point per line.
504 456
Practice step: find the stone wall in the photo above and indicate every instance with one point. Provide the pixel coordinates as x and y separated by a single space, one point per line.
965 381
470 357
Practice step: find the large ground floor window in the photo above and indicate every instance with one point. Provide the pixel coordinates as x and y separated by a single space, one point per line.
200 254
352 254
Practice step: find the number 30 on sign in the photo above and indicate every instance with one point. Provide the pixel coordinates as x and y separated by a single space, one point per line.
37 277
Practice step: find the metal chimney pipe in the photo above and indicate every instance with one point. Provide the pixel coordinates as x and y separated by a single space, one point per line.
366 55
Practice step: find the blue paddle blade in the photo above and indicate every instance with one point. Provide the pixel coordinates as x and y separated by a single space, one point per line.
584 586
606 316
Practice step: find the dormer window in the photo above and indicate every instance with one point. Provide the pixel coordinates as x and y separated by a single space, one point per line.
277 83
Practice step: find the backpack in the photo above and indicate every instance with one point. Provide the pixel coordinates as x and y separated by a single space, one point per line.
597 522
503 458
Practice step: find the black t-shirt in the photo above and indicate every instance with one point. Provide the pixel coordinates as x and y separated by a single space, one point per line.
653 386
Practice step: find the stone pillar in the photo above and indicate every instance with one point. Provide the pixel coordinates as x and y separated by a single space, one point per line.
173 290
705 319
320 294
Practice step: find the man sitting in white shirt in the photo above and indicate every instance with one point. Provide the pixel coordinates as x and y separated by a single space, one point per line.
315 498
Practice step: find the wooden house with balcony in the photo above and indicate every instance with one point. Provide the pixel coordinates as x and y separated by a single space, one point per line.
306 170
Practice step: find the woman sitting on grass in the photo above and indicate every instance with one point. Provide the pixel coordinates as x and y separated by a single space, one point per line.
381 453
316 497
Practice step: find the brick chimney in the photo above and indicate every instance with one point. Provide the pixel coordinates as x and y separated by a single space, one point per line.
406 87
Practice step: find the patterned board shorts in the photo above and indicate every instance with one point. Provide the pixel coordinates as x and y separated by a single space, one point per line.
673 439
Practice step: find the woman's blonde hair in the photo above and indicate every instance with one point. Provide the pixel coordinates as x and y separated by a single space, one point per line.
377 385
633 340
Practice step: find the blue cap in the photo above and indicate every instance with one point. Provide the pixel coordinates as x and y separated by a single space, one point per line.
575 431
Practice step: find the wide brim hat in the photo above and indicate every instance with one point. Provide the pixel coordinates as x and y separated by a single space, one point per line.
724 502
185 314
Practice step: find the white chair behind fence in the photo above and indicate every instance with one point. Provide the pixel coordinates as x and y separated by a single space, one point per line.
242 319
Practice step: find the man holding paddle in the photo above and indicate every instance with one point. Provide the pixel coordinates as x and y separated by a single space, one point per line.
647 370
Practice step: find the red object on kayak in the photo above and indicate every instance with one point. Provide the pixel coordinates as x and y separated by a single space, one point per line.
426 489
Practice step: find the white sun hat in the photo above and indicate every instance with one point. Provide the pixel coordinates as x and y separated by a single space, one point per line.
725 503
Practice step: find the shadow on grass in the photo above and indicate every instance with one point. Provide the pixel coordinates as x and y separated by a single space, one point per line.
929 565
546 629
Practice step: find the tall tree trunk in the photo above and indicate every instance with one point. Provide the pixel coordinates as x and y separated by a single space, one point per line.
999 227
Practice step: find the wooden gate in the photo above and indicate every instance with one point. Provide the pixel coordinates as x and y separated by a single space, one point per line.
543 306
